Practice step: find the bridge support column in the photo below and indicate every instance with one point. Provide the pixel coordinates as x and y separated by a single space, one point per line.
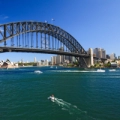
82 62
89 60
91 57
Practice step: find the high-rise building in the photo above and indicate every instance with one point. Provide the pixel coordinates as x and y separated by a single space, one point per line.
119 57
100 53
46 63
69 58
39 63
97 52
53 60
21 60
58 59
112 56
35 60
108 56
103 53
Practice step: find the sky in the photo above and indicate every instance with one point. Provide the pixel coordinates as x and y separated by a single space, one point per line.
94 23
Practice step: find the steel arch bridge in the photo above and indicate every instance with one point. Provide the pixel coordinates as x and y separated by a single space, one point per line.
39 37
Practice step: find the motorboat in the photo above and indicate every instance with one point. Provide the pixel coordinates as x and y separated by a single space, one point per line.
100 70
52 98
37 71
112 70
51 67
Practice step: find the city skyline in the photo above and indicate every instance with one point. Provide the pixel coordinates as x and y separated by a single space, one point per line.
93 22
33 58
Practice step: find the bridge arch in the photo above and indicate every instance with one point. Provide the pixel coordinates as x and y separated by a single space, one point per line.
32 30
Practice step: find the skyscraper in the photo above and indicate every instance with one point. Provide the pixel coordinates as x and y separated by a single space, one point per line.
97 52
53 60
35 60
100 53
112 56
103 53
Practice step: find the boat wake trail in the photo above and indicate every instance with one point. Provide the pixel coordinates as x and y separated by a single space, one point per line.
73 110
76 71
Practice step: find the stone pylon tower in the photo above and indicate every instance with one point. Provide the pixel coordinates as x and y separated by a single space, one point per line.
91 56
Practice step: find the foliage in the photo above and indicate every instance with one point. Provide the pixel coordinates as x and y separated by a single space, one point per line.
28 64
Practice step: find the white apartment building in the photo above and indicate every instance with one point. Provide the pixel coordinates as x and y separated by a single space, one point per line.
100 53
35 60
43 63
103 53
53 60
112 56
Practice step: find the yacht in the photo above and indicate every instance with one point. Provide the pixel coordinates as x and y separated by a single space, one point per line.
37 71
100 70
112 70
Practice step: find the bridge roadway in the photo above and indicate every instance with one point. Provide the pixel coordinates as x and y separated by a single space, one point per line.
36 50
48 51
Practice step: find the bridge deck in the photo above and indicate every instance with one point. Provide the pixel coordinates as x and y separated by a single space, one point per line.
36 50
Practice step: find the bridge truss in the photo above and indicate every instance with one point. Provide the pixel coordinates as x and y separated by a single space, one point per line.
38 36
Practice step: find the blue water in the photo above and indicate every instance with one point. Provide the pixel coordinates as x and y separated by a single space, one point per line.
80 94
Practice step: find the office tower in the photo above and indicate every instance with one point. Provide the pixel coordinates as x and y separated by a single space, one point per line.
108 56
112 56
100 53
97 52
119 57
21 60
53 60
46 63
35 60
103 53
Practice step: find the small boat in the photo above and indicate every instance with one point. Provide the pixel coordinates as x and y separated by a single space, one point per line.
52 98
51 67
37 71
100 70
112 70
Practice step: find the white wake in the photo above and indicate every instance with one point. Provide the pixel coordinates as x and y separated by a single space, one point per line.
73 110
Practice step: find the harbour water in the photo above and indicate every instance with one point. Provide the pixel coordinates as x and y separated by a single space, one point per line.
80 94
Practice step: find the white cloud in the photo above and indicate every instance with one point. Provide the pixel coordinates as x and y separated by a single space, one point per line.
5 17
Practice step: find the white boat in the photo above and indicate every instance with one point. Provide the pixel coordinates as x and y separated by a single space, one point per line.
112 70
51 67
52 98
37 71
100 70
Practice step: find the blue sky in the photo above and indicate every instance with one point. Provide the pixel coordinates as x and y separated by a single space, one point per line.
94 23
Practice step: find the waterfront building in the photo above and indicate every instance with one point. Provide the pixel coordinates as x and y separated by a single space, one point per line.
58 59
100 53
43 63
35 60
69 58
97 52
1 63
46 63
112 56
7 64
113 64
39 63
108 56
103 53
53 60
21 60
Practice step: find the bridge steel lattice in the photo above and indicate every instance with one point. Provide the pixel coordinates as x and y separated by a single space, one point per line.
39 37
